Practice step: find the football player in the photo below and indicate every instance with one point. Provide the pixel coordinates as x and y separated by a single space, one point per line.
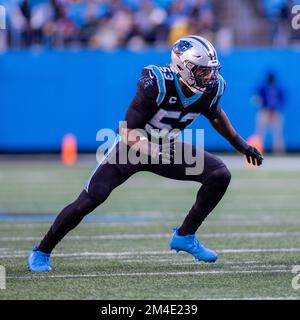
168 97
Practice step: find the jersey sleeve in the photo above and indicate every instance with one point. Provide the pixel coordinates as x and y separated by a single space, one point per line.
144 104
214 109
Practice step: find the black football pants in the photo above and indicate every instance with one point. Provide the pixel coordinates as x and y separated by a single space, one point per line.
214 178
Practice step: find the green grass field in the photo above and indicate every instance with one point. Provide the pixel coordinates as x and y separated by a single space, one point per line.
121 251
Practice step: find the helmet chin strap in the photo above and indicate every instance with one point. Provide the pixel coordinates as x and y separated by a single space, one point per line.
196 91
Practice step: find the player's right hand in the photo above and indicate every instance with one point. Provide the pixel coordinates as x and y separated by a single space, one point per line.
167 152
253 156
163 153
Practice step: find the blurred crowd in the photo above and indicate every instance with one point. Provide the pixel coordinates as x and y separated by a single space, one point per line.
105 24
278 14
134 24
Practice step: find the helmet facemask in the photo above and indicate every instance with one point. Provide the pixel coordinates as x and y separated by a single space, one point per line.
202 78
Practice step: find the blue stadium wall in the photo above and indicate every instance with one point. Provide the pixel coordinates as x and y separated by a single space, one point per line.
45 95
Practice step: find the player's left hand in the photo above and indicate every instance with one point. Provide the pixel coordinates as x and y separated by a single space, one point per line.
253 156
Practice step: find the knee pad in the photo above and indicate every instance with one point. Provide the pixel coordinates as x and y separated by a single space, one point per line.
220 177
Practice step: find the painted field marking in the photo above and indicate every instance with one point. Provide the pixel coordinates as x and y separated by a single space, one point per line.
20 254
130 274
159 236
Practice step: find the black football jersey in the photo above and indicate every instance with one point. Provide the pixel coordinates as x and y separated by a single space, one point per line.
160 104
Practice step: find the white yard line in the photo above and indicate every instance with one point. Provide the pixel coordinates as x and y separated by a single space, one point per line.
160 236
233 221
235 266
97 237
19 254
130 274
283 163
13 225
183 260
258 298
259 250
171 219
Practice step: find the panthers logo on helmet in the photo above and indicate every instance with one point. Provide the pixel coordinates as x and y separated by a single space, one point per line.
181 46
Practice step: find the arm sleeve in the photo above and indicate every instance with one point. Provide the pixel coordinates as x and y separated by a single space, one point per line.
213 111
143 106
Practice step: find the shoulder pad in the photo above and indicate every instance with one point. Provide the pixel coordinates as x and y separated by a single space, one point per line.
161 74
220 90
221 86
